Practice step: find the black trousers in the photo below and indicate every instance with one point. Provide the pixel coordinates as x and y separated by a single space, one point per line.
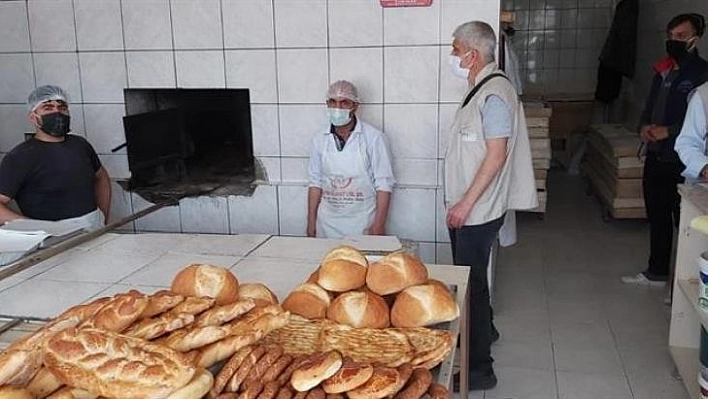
471 246
662 202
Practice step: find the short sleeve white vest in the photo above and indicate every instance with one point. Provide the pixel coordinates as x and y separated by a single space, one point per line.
514 188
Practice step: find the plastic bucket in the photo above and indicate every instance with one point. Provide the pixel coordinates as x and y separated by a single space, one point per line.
703 348
703 383
703 286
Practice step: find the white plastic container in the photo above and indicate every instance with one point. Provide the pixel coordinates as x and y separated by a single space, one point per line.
703 383
703 286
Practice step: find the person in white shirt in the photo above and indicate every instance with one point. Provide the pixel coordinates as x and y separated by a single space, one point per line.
691 142
350 172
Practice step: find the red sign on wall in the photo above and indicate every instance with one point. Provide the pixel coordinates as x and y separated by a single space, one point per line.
406 3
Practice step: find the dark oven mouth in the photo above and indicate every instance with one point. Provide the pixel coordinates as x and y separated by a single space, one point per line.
189 142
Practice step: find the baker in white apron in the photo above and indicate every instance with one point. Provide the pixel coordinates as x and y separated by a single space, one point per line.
350 172
348 197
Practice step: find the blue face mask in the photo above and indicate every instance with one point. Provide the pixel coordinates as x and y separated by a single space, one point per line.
339 116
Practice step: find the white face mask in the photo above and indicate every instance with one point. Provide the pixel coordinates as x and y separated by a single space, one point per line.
456 69
339 116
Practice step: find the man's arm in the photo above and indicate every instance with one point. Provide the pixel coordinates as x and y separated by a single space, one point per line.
691 143
103 192
383 200
5 213
314 195
645 117
491 165
314 192
382 171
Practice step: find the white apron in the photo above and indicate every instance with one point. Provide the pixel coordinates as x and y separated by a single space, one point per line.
507 232
89 222
348 200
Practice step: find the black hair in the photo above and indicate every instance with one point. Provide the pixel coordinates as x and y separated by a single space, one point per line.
696 20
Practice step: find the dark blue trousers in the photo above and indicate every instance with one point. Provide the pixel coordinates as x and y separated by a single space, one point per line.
471 246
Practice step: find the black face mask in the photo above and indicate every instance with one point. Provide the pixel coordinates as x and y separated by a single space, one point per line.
56 124
677 49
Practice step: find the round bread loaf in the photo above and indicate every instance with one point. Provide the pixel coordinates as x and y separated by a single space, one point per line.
423 305
342 269
317 368
260 293
395 272
308 300
438 282
314 276
350 376
207 280
359 309
384 382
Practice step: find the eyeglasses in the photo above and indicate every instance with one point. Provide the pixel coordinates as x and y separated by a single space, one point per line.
342 104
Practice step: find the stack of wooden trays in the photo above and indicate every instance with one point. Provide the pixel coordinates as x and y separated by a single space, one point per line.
538 115
614 169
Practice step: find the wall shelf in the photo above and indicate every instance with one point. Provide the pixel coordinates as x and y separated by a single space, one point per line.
687 364
686 316
690 290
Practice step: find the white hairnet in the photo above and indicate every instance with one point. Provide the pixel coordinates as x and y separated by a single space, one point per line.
343 89
43 94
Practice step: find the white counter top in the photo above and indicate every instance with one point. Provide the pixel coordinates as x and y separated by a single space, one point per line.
114 263
697 195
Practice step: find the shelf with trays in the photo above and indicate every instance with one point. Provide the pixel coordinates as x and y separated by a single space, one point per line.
690 289
686 316
688 366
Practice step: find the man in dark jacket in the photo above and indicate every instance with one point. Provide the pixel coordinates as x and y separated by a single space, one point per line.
676 76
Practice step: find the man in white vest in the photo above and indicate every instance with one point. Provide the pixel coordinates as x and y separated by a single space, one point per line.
488 171
350 171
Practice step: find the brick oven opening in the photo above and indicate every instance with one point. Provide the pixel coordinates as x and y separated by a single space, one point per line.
189 142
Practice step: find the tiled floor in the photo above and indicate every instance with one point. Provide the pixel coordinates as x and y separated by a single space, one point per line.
569 328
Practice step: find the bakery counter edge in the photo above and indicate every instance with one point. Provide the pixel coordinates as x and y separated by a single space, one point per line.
114 263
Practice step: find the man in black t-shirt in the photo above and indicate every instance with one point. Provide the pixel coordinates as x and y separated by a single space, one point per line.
54 175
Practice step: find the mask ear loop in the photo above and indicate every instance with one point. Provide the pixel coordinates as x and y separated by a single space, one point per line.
692 43
37 118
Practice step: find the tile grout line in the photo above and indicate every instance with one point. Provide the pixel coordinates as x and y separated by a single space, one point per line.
544 272
277 107
619 355
172 39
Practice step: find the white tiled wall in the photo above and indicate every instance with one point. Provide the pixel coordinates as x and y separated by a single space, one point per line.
558 42
285 52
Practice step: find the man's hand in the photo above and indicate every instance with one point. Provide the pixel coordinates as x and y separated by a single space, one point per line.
457 215
645 133
704 173
311 230
5 213
377 229
659 132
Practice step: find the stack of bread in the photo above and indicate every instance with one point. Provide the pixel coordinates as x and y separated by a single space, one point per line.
163 345
394 290
265 371
349 306
134 345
